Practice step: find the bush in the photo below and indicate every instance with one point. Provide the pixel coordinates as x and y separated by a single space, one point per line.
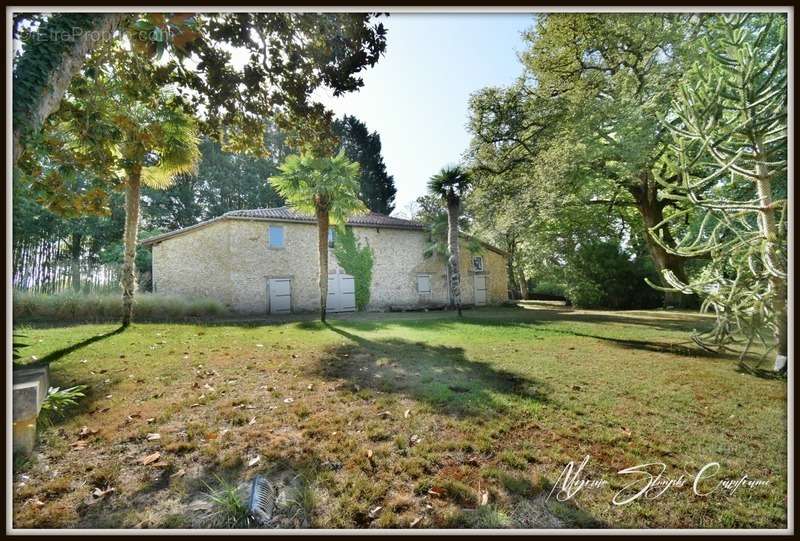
71 307
602 275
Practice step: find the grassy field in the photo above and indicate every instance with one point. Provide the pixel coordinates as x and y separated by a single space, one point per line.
403 420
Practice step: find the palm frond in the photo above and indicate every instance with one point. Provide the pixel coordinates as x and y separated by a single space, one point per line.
451 183
178 148
309 183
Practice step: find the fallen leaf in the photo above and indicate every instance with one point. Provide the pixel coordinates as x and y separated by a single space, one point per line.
149 459
407 414
151 420
385 414
415 439
160 464
99 493
153 436
484 498
373 512
369 454
180 473
310 387
80 444
36 502
194 405
439 492
254 461
288 400
252 421
108 396
86 432
415 522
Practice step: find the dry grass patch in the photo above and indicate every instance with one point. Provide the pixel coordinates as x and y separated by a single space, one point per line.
414 420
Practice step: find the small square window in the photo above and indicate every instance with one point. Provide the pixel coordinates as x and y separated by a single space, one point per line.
477 264
276 236
331 237
424 284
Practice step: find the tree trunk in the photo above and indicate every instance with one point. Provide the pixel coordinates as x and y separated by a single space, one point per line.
75 260
323 223
53 91
652 212
522 282
128 280
769 231
453 260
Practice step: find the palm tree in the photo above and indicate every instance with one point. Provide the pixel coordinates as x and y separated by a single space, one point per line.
328 188
452 184
159 142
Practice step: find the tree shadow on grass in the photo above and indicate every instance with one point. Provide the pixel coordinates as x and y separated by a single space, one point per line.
516 317
441 376
53 356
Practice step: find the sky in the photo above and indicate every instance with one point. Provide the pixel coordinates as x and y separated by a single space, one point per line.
417 95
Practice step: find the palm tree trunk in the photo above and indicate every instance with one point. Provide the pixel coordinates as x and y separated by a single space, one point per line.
128 280
452 241
323 222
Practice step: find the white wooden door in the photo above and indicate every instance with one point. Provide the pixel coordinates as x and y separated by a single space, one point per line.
341 293
280 295
480 289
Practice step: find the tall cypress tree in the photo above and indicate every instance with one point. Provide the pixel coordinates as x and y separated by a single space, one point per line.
377 186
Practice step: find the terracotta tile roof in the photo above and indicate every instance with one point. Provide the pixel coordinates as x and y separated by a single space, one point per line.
286 214
371 219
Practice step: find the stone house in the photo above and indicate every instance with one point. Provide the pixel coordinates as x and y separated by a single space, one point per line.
265 261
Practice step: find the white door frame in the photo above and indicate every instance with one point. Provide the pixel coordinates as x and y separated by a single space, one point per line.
475 289
270 286
340 300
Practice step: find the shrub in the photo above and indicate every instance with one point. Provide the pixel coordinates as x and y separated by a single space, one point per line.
72 307
601 274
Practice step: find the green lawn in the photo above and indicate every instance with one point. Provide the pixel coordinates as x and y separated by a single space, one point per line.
423 415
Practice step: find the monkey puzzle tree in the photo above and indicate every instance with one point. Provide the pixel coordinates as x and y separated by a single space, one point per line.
729 127
451 184
326 188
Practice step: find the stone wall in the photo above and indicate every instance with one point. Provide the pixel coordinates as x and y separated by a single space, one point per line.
494 268
195 263
230 260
